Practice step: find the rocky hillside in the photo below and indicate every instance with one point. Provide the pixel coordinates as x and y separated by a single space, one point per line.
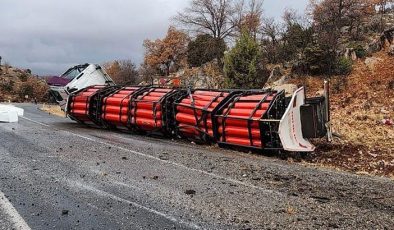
362 106
17 85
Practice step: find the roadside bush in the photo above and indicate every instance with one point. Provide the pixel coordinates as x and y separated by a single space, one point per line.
344 66
23 77
7 86
24 90
34 87
359 50
318 59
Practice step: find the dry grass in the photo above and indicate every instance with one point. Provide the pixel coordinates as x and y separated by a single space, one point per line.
53 109
358 104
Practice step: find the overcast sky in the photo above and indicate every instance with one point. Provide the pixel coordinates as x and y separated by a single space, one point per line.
48 36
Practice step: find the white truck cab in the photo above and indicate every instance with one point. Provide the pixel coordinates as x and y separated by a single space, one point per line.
80 76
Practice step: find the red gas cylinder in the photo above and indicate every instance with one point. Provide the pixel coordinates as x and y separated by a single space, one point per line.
194 113
239 121
149 109
78 107
116 107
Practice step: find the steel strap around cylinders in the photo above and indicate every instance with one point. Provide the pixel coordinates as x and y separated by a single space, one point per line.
270 138
224 117
131 105
193 104
250 119
121 106
205 112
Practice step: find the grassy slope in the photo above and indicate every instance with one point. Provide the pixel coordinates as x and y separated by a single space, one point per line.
359 102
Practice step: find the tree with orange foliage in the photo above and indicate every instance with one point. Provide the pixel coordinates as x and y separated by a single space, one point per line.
168 54
112 68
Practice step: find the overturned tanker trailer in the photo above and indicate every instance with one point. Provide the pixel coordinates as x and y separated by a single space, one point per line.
264 120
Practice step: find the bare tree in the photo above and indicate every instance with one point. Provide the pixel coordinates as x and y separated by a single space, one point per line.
218 18
251 18
291 17
270 29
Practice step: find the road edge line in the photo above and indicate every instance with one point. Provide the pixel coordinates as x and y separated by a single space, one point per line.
16 219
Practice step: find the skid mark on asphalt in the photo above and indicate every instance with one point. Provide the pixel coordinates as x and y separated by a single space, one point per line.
264 190
15 218
102 193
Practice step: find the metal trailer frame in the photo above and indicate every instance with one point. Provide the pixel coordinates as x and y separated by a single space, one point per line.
203 135
133 95
268 123
93 104
166 103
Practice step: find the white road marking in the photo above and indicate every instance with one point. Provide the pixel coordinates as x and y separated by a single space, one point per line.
15 218
102 193
46 125
267 191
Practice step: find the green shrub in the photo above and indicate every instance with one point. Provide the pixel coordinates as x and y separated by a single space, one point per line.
7 86
26 89
344 66
243 64
358 49
23 77
318 59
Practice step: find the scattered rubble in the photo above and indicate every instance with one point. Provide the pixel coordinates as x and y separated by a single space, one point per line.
371 62
65 212
190 192
391 50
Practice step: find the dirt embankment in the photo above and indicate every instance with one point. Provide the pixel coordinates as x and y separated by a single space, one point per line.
362 107
17 85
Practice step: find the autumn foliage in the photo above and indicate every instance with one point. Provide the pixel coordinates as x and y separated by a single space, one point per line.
168 54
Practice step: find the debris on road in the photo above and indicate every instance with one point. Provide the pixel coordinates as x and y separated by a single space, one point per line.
65 212
190 192
10 113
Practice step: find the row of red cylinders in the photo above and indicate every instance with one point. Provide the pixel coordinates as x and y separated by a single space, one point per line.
146 113
191 109
247 110
115 107
79 104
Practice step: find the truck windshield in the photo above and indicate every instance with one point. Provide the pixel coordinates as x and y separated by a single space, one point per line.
73 72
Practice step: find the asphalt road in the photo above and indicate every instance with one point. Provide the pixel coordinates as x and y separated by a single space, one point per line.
56 174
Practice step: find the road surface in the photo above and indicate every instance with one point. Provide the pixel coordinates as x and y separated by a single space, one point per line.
56 174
